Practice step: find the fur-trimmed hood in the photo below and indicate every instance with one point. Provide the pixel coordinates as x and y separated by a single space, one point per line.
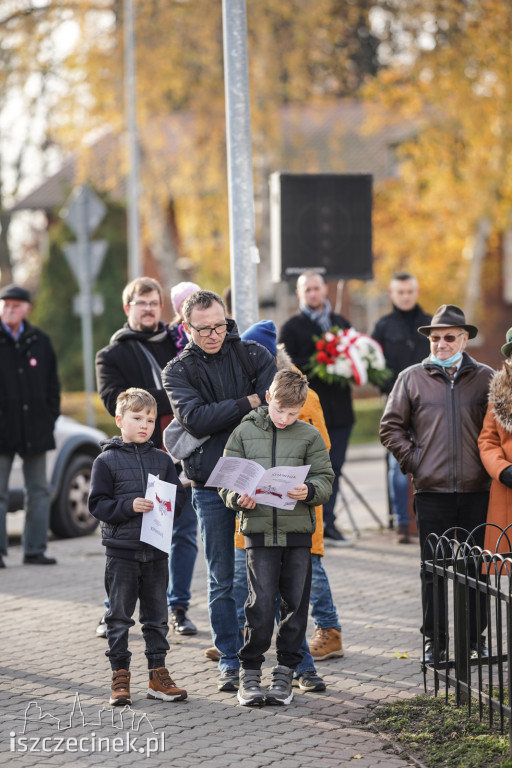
500 396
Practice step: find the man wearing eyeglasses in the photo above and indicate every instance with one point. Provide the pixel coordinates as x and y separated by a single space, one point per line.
138 351
431 425
212 385
135 357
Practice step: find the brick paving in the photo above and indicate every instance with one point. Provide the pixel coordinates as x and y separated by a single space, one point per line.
54 677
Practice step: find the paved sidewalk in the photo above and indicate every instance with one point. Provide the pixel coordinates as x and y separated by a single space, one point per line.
54 677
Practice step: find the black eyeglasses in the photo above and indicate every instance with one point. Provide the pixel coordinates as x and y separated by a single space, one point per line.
219 329
449 338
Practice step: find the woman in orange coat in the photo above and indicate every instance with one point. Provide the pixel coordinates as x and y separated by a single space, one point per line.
495 444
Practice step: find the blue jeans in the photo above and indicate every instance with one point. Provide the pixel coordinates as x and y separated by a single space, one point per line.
37 503
339 437
241 591
323 610
286 570
125 581
183 556
398 485
217 527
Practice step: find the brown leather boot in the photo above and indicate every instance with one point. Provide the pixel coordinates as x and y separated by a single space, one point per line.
120 688
213 653
162 686
326 644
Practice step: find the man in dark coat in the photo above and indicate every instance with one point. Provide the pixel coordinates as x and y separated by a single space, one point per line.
135 357
402 346
29 406
431 424
212 385
314 318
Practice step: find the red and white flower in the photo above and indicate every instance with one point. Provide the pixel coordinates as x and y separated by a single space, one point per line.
346 356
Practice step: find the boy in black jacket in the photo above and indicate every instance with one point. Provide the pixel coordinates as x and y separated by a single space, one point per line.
134 569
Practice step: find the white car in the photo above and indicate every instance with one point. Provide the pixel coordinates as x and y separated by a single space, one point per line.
69 475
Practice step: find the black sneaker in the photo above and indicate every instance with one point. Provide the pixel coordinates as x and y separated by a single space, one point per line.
482 653
249 691
181 623
333 538
429 652
280 691
2 564
309 680
39 559
229 680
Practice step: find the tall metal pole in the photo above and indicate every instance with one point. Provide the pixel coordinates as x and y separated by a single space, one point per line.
243 251
134 257
85 290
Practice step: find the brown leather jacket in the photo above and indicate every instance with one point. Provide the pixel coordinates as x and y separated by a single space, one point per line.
431 425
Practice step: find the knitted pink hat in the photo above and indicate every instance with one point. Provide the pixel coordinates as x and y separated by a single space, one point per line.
180 292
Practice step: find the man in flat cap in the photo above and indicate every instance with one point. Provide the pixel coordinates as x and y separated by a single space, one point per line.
29 406
431 425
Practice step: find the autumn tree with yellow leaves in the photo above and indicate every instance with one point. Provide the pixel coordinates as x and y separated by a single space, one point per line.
440 67
300 52
448 76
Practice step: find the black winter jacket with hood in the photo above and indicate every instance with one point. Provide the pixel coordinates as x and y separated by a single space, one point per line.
124 363
120 475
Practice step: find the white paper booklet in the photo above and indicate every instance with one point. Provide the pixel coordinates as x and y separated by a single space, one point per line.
265 486
157 524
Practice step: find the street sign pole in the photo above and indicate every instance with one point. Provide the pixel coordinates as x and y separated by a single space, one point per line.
85 290
134 254
85 258
244 255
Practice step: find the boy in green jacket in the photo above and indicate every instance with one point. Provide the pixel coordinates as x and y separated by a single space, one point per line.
278 541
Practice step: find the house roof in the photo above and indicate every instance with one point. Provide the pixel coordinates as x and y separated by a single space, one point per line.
319 138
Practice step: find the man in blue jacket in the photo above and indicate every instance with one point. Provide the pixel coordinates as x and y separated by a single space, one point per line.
212 385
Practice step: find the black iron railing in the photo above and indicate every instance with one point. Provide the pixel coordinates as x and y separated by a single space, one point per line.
472 590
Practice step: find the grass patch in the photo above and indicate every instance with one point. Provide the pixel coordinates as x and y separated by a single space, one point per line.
437 733
368 412
73 405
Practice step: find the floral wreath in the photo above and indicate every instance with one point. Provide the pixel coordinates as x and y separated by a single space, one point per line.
344 356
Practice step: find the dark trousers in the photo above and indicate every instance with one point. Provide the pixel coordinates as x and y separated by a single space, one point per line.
286 570
125 581
437 513
339 437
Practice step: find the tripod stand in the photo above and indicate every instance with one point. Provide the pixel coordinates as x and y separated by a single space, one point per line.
360 498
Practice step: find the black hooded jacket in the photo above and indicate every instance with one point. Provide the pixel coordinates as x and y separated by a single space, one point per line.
124 364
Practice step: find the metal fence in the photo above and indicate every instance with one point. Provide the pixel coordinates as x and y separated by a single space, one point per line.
472 586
